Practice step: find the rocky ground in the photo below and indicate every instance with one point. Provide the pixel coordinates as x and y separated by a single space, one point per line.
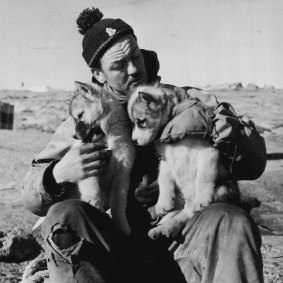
38 114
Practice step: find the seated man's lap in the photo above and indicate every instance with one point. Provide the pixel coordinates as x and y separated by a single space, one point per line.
204 244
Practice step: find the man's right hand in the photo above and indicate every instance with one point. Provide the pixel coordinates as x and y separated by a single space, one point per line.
81 162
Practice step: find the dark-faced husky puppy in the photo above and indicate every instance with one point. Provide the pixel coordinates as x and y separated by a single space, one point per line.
100 117
192 172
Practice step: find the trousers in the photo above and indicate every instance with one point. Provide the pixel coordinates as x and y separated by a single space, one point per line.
219 244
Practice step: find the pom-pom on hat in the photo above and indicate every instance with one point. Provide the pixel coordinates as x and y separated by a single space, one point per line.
99 34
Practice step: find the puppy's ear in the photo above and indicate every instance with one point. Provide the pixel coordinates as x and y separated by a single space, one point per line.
145 96
154 103
82 87
89 91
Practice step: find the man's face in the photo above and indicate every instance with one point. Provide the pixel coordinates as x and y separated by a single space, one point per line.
122 65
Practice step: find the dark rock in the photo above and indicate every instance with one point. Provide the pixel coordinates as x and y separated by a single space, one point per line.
252 87
18 246
236 86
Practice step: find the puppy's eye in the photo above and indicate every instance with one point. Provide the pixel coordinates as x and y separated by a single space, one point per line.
141 123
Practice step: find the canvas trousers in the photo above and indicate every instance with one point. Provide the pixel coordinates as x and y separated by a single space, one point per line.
220 244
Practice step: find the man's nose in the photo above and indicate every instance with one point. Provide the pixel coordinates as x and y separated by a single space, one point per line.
132 68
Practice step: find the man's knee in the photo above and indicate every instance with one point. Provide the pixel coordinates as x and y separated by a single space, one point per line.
67 213
231 218
67 207
217 210
221 230
223 220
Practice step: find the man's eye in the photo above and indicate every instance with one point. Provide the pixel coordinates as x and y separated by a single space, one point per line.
119 66
141 123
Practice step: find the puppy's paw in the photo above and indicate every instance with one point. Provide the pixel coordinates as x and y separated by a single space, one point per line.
162 208
169 229
155 233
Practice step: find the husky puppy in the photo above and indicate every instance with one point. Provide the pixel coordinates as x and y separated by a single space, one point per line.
192 172
100 117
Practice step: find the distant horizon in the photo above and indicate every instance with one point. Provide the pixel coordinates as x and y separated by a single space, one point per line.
214 86
224 86
199 43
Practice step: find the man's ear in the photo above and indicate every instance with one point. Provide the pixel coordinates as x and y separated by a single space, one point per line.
98 75
156 84
82 87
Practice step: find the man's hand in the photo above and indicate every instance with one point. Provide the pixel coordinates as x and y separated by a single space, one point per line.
81 162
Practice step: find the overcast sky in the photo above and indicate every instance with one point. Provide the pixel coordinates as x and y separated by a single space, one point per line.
198 42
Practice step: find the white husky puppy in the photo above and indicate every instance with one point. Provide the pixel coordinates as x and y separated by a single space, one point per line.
192 172
100 117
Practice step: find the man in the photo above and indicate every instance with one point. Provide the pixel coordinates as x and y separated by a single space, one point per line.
220 244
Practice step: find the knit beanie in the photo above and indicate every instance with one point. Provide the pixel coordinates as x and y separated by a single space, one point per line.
99 34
